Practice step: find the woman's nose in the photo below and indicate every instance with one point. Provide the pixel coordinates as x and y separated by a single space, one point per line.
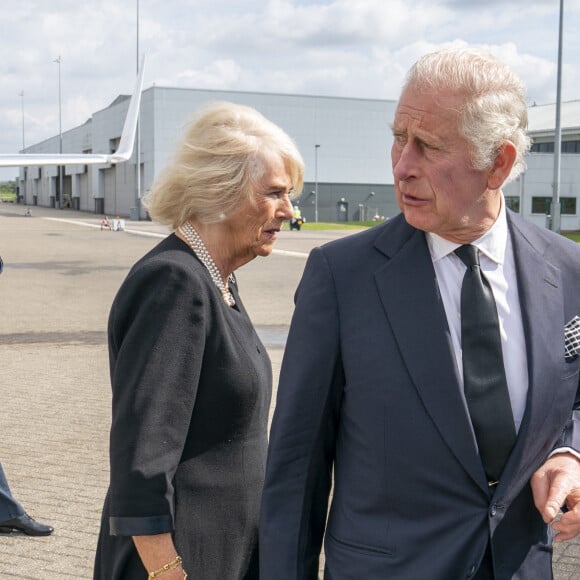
286 210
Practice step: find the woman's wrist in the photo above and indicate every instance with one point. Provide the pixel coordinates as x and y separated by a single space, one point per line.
177 562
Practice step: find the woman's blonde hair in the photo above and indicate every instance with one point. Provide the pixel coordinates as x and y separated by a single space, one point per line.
219 164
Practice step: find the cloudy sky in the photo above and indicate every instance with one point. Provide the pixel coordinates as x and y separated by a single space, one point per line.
354 48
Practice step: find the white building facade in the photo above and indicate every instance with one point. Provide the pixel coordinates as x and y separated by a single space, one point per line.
531 194
345 144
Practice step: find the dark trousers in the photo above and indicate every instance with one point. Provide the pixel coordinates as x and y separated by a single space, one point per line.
9 507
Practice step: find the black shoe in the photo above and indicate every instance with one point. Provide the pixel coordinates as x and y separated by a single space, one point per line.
26 525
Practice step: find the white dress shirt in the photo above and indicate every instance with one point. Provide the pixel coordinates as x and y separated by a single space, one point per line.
497 264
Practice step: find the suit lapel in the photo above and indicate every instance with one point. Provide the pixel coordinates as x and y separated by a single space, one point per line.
410 297
407 284
543 319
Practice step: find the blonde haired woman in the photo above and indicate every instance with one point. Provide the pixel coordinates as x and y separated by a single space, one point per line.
191 380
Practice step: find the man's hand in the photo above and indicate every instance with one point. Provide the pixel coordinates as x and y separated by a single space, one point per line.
555 484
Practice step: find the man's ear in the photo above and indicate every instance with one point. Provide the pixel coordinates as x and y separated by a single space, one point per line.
502 166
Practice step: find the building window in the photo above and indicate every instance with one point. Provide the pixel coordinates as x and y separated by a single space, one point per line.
542 147
114 144
568 205
571 147
567 147
513 202
542 205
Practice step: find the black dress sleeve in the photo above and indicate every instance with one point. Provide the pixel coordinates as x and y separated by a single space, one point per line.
157 329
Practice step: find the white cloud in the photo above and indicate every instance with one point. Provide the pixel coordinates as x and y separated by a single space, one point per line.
356 48
221 74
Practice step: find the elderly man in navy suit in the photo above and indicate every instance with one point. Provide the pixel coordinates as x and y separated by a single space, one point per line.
432 373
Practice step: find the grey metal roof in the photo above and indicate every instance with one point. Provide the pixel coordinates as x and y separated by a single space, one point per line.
542 118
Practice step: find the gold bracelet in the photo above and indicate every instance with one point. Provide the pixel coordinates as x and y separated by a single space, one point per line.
166 567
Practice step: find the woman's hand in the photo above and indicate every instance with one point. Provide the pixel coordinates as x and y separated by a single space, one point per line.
155 552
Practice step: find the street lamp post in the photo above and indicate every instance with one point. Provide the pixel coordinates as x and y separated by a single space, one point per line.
137 215
21 95
555 209
59 192
366 207
316 147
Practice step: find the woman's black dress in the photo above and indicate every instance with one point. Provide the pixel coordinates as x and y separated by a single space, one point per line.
191 387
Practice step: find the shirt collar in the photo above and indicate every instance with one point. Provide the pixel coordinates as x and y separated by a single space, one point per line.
492 243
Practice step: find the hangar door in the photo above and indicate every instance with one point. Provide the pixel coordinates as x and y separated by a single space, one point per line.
109 181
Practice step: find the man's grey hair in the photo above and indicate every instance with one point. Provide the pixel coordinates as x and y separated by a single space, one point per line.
495 108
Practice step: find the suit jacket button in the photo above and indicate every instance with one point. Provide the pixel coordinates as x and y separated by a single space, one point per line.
472 571
493 511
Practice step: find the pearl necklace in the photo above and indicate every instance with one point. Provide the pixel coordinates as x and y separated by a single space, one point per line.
195 242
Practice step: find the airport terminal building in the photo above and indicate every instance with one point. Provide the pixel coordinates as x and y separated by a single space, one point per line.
531 193
345 143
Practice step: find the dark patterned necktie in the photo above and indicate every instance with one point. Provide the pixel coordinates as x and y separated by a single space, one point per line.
484 379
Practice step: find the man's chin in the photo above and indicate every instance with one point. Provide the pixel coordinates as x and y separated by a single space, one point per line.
417 218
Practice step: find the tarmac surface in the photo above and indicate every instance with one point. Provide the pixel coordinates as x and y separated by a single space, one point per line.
61 273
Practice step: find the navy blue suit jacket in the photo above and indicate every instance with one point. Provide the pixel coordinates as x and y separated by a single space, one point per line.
369 388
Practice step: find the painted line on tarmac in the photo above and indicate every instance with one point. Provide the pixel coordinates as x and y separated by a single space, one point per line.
146 234
74 222
290 253
98 226
158 235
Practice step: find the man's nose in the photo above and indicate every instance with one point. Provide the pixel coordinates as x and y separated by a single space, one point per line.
404 162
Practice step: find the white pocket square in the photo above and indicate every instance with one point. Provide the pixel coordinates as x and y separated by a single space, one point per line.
572 338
